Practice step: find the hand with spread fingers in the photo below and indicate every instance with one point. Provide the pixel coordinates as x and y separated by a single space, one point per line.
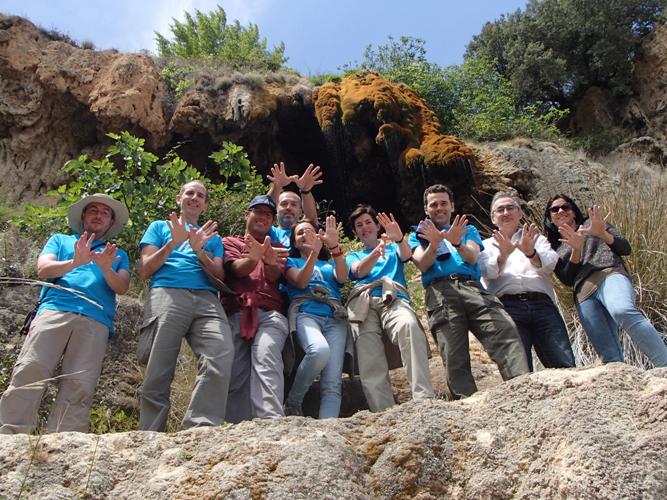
598 224
106 257
313 241
528 239
571 237
177 228
430 232
310 178
82 250
457 230
503 244
255 248
274 256
330 234
392 230
279 176
199 237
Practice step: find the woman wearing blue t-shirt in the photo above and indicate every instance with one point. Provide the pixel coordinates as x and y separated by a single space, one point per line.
379 304
313 287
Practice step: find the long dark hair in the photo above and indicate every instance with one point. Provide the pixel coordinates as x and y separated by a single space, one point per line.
550 228
294 251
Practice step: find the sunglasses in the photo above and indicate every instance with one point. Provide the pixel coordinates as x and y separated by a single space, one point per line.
557 208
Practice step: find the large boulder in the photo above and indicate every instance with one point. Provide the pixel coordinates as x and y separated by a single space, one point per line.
581 433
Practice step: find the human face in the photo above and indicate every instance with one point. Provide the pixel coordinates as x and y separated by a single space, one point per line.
506 215
439 208
259 220
561 213
97 218
366 229
301 232
289 209
192 201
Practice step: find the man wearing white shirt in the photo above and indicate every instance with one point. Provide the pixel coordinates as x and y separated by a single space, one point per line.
518 266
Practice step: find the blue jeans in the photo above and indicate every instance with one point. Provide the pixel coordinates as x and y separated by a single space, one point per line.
323 340
541 326
613 306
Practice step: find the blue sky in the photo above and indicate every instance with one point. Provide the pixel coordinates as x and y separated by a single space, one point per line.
319 36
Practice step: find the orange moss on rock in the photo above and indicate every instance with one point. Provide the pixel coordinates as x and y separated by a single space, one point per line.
401 117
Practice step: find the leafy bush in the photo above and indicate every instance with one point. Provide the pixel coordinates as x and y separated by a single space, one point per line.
133 175
208 36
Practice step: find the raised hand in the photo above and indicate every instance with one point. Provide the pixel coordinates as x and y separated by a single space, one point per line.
255 248
430 232
330 234
392 231
274 256
503 244
313 242
279 176
528 239
380 249
310 178
598 225
82 250
570 236
199 237
177 228
106 257
457 230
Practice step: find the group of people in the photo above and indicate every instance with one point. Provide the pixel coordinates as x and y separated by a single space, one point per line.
247 305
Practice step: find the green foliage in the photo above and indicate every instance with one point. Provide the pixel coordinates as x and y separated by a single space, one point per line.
104 419
556 49
208 36
178 77
324 78
486 107
133 175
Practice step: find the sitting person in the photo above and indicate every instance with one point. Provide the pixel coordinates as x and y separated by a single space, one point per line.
381 287
519 262
316 314
591 262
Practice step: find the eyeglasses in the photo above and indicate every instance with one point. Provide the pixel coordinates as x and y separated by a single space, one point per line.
554 209
505 208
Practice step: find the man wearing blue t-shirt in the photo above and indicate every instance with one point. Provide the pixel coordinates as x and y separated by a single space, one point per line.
289 205
183 261
73 321
447 254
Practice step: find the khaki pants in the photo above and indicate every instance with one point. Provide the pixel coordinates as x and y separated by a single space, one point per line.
455 307
197 315
400 323
81 342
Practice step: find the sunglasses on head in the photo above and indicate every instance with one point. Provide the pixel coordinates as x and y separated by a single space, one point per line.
557 208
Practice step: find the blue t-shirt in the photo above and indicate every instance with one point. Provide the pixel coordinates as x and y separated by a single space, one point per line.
87 279
182 268
449 262
390 265
324 275
280 235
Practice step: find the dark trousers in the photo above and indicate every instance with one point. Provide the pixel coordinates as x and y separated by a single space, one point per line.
455 307
541 326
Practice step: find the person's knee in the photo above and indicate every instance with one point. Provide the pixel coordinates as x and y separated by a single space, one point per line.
78 391
29 373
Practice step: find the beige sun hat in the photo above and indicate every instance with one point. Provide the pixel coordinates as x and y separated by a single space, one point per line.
120 212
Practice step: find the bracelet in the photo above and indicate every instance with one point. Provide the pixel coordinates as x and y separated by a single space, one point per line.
335 246
401 240
532 254
337 254
304 191
456 245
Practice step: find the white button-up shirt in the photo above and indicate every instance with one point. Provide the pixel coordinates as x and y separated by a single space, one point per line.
518 275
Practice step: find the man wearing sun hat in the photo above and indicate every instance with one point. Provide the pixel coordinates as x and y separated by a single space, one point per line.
74 319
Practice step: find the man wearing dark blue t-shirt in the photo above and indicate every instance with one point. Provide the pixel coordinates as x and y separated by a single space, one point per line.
73 321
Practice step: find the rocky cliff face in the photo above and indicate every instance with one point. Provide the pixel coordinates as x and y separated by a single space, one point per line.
594 433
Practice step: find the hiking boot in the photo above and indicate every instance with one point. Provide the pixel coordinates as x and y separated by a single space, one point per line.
292 410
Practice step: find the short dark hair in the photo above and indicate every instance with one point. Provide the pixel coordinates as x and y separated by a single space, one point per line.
359 210
438 188
324 254
553 235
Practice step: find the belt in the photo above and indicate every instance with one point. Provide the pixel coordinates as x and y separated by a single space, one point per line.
526 296
455 277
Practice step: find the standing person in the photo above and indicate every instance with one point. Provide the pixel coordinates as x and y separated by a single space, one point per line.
591 262
316 314
178 255
379 303
291 206
73 321
257 316
519 263
447 253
